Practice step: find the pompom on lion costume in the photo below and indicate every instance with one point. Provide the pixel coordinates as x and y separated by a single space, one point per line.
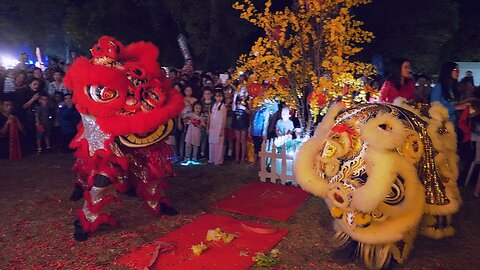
127 106
386 173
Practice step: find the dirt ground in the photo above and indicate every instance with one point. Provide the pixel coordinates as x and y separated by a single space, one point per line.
36 224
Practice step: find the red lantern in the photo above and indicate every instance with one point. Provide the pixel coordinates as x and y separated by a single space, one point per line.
320 102
283 82
254 89
275 33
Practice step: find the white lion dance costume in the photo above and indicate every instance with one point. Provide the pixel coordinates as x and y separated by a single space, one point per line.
373 164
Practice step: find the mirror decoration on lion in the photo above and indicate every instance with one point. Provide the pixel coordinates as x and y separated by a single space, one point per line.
127 107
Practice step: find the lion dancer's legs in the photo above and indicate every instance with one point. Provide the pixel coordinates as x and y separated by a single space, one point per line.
96 209
155 199
151 169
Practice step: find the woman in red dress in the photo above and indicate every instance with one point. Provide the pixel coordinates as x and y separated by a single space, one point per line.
399 82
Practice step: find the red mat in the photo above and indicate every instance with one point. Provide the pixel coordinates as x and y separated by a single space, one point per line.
258 199
252 237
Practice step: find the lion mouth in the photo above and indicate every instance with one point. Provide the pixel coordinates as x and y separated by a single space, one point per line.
101 93
136 82
105 60
146 106
149 100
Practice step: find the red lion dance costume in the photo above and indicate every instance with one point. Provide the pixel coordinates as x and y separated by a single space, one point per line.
127 106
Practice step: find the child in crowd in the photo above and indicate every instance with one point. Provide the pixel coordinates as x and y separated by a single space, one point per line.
184 122
57 102
21 80
10 128
43 122
284 126
216 129
9 84
194 131
68 118
207 103
240 123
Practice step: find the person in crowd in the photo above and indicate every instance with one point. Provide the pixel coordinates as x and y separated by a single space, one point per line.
54 63
194 130
466 90
207 103
21 66
259 130
172 139
179 87
30 76
73 57
284 126
57 84
229 132
272 122
183 82
56 103
28 100
173 75
48 75
43 123
240 124
216 129
468 78
21 80
37 73
68 118
9 82
446 90
184 119
10 128
422 89
398 82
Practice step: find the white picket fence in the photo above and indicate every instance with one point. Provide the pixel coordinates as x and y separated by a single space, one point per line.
277 166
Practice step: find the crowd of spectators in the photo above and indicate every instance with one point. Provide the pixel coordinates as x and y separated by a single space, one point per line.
458 94
37 112
218 121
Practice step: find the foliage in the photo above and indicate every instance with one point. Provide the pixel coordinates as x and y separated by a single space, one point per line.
216 35
310 46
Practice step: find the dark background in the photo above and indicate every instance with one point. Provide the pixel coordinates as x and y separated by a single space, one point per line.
427 32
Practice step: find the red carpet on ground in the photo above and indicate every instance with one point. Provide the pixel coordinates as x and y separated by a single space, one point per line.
252 238
258 199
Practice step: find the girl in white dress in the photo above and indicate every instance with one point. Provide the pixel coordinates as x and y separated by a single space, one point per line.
192 138
216 129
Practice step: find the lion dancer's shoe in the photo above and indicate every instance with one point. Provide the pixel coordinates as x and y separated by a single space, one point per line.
96 209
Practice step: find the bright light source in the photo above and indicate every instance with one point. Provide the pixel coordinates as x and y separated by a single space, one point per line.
8 62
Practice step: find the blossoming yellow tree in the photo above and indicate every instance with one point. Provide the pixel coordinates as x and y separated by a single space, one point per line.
305 57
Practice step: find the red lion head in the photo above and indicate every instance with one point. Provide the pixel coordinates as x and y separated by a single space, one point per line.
123 88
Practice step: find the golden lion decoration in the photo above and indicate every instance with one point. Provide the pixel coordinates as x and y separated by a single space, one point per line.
372 163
